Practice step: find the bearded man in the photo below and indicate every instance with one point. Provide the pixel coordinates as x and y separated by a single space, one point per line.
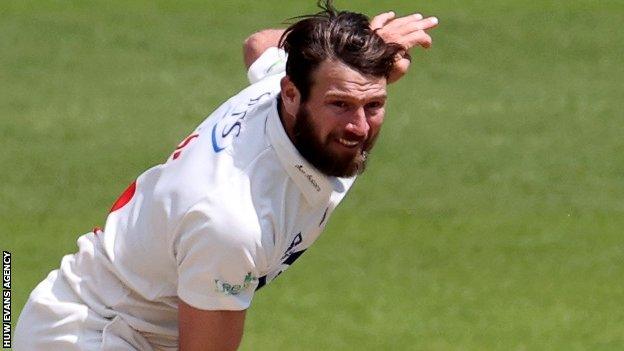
188 244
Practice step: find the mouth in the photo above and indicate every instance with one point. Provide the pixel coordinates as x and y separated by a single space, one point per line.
349 144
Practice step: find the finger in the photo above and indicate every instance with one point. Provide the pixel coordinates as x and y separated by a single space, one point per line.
381 20
401 21
405 25
405 34
419 38
426 23
409 31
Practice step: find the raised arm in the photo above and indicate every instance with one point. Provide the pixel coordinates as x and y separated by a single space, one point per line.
409 31
258 42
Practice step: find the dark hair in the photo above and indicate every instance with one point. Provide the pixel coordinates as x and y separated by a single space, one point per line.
334 35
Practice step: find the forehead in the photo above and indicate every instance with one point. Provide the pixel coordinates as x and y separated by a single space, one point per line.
336 78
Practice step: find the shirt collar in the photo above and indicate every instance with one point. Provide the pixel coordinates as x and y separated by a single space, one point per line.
315 186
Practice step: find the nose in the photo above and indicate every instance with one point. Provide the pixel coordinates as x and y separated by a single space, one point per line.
358 124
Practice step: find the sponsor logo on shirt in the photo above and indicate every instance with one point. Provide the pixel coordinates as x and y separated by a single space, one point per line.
296 241
229 127
125 197
182 145
235 289
309 177
289 257
275 64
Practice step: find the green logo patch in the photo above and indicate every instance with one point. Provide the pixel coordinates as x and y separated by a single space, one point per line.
235 289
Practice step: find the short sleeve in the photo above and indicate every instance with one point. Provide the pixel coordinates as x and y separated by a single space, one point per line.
271 62
217 266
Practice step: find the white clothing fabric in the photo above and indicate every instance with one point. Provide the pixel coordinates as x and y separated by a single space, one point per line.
232 208
57 319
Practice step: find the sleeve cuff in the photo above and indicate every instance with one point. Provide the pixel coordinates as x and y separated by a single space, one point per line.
272 61
215 303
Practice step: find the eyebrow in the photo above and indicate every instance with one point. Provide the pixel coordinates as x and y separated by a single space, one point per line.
350 97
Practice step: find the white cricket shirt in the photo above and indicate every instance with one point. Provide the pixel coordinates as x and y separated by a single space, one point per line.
233 207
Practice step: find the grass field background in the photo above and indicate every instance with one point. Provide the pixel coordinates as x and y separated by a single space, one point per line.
492 213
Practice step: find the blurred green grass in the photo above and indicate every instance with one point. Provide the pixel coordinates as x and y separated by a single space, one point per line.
490 217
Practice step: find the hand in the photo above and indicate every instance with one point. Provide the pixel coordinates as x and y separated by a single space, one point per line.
258 42
408 31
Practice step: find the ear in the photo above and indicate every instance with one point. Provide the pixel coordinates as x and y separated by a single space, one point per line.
291 97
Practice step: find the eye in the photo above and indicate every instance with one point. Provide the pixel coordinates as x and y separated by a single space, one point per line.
340 104
375 105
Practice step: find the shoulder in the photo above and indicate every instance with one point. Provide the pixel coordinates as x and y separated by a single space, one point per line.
222 217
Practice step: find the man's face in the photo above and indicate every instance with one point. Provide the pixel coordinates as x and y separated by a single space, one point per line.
336 127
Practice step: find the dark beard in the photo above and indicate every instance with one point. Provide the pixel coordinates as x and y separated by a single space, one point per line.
319 155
